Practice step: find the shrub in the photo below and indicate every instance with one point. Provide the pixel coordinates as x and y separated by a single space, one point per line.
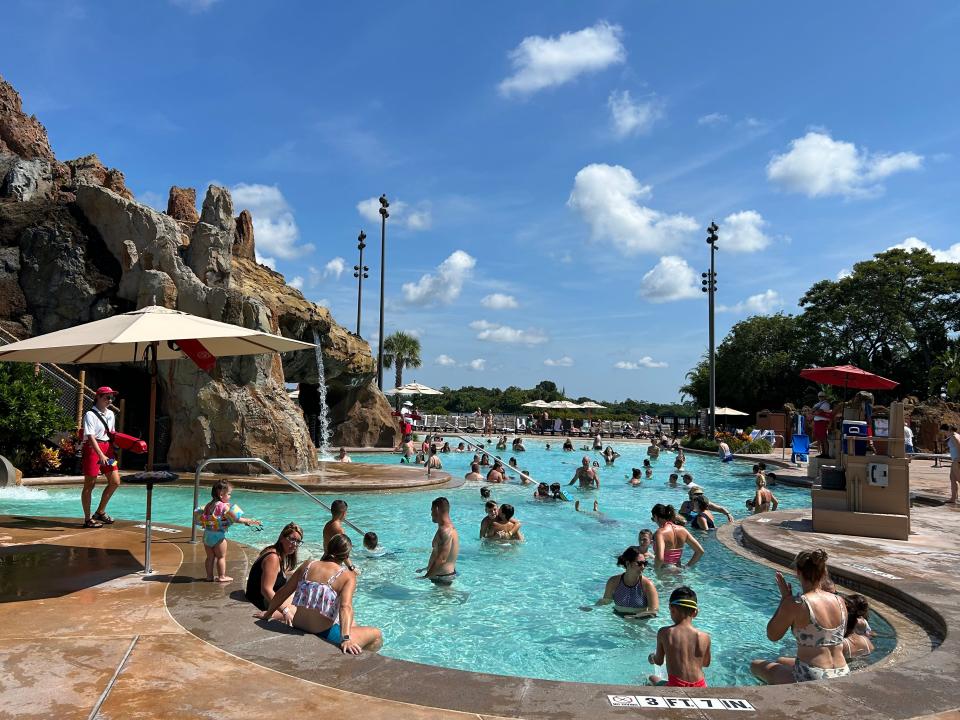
29 413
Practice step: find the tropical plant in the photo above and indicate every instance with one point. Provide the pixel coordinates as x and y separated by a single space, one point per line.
400 351
30 413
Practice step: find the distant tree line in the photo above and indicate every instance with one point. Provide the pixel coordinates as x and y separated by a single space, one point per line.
511 400
896 315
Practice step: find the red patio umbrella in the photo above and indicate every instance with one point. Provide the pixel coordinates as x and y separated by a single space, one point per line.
848 376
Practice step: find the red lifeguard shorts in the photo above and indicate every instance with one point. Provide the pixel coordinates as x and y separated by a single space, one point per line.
90 461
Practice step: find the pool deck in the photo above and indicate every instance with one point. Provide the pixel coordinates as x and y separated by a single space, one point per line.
83 633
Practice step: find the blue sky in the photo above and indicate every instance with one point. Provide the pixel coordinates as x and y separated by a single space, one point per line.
551 166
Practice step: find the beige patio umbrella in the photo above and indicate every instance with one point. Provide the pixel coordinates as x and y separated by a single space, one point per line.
536 404
729 412
413 388
150 333
563 405
590 406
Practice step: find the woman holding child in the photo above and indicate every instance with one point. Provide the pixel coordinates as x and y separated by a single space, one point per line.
818 620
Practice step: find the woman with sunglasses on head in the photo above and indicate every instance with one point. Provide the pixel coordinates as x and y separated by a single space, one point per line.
272 568
633 595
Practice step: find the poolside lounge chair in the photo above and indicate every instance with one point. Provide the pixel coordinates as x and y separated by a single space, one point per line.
799 449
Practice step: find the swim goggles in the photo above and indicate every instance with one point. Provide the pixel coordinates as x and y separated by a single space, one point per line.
686 603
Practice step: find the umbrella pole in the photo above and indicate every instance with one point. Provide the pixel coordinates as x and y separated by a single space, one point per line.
152 434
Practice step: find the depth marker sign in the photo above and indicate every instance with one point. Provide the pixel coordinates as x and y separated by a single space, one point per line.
658 701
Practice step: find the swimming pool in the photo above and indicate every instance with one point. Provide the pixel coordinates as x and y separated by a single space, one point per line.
516 610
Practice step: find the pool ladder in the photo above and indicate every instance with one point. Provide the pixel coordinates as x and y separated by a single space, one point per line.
252 461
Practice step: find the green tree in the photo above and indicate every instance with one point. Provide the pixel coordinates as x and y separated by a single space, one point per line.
30 412
401 351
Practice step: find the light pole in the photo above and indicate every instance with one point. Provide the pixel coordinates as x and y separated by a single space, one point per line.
360 273
709 283
384 214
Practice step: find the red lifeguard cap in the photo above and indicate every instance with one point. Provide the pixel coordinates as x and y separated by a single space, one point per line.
105 390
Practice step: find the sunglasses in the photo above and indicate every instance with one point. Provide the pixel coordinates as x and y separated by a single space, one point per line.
293 541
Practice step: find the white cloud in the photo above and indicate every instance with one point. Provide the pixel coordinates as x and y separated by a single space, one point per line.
401 214
951 254
445 360
154 200
499 301
645 362
335 268
670 279
506 334
445 286
607 198
760 304
844 273
274 227
743 232
712 119
297 282
477 364
194 7
542 62
631 117
817 165
565 361
264 260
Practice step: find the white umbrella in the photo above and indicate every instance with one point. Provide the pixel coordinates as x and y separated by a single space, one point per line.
728 412
536 404
413 388
137 335
591 405
563 405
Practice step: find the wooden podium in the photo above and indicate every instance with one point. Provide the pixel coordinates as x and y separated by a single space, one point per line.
876 501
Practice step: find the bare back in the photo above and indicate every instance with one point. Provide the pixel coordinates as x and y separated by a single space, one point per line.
446 548
687 651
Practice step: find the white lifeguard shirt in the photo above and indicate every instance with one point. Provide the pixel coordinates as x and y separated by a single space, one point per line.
93 426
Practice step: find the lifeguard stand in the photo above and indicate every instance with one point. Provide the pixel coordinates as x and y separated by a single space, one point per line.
875 501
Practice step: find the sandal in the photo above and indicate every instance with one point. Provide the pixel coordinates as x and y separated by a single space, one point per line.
103 518
91 523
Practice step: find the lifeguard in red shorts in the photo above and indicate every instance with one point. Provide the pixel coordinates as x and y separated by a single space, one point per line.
822 417
98 457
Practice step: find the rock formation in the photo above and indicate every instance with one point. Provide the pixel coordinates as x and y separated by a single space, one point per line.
75 246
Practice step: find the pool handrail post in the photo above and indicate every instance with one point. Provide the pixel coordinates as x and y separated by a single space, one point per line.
255 461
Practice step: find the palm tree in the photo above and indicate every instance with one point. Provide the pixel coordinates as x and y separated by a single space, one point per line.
401 350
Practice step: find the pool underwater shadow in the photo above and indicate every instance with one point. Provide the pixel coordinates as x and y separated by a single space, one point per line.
43 571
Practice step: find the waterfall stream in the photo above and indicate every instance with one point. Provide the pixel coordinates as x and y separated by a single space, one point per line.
324 445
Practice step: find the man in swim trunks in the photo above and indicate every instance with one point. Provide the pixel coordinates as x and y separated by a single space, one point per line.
442 567
474 473
586 475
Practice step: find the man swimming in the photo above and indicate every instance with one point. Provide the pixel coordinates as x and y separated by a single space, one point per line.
442 566
586 475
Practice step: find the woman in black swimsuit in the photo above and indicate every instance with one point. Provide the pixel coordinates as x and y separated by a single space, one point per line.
269 571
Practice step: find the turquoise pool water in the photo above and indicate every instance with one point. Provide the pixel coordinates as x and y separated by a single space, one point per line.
516 610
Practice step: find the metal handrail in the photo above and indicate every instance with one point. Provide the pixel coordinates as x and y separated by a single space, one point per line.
254 461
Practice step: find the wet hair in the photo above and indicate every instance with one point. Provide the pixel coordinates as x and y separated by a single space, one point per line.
338 507
475 467
761 480
506 511
490 504
646 463
370 541
555 487
636 472
338 549
681 599
763 466
219 487
645 533
688 475
756 468
287 562
542 488
674 476
484 492
812 565
857 607
630 555
442 505
664 512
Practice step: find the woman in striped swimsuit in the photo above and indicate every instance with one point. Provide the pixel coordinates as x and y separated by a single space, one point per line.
669 539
